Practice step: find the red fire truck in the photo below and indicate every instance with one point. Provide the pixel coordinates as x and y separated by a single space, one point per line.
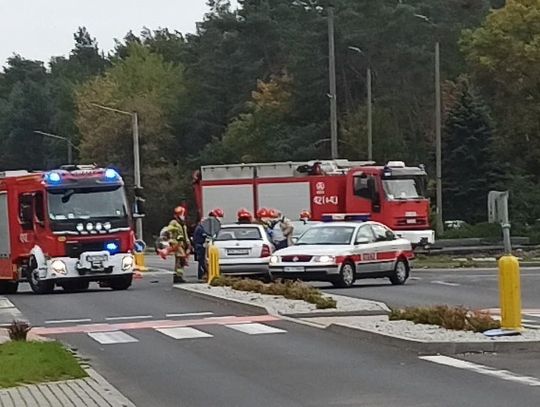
65 227
393 194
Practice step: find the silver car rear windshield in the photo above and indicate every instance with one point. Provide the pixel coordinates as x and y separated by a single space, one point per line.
239 233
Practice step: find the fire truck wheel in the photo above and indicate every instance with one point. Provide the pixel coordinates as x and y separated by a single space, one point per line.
39 286
400 274
347 276
121 283
9 287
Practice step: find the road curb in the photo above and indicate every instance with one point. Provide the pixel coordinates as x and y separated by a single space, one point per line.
9 313
429 348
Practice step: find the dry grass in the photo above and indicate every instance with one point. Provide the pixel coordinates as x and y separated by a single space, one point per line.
457 318
293 290
18 330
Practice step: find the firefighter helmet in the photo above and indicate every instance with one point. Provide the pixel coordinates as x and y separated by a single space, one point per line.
217 213
305 215
273 213
263 213
244 214
180 211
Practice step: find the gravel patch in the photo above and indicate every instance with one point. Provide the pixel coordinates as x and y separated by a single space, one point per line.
422 332
279 305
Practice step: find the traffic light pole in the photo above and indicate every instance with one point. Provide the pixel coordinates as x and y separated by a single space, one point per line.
137 168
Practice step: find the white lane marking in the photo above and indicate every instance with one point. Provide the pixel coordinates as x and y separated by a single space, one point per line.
68 321
5 303
189 314
110 338
481 369
445 283
128 318
184 333
255 329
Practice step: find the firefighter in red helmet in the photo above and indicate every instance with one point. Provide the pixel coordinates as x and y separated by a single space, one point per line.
305 216
178 240
244 216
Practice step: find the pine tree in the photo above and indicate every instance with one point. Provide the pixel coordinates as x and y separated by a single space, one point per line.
469 169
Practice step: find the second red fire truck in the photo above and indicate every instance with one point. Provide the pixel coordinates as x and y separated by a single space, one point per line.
393 194
65 227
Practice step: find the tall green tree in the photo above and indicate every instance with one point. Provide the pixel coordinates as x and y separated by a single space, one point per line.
469 168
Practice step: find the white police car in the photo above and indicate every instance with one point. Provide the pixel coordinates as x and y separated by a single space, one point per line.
343 252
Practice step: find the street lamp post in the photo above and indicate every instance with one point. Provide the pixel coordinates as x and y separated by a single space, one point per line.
332 94
70 145
438 126
136 157
369 105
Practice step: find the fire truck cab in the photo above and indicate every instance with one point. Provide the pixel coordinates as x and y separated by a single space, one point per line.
393 194
64 227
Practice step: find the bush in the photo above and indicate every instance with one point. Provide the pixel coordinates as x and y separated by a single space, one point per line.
457 318
18 330
292 290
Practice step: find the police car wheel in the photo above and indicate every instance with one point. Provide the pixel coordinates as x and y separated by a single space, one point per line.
347 276
400 274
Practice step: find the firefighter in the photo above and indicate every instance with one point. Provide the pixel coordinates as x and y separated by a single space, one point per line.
244 216
305 216
200 242
179 243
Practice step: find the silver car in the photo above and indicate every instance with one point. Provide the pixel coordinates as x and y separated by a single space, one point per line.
244 249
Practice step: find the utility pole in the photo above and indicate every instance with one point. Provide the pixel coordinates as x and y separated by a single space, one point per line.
438 147
67 140
369 115
136 157
333 96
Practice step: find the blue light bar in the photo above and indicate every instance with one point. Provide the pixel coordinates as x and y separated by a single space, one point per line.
112 247
53 178
111 175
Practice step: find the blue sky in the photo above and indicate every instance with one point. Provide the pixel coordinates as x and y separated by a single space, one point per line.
39 29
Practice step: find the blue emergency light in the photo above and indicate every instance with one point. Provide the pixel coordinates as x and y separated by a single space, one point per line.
111 175
53 178
112 247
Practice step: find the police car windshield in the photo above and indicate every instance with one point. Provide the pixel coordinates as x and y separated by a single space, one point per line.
327 235
66 204
402 188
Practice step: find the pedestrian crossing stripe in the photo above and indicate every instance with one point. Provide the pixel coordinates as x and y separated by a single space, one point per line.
184 333
255 329
114 337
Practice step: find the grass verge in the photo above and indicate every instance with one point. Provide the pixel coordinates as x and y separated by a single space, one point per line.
293 290
456 318
36 362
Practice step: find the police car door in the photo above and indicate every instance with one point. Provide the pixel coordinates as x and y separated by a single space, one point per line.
366 257
385 247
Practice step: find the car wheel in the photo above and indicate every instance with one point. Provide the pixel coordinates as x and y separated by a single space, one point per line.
121 283
347 276
8 287
400 273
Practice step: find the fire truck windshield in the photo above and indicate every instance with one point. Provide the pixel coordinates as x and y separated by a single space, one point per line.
66 204
403 188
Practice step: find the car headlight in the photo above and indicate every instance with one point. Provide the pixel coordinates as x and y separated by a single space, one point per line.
58 266
324 259
274 259
127 262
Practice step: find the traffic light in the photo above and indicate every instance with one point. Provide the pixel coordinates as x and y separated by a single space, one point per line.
138 209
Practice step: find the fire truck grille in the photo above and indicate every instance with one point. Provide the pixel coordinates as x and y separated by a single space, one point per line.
295 259
74 250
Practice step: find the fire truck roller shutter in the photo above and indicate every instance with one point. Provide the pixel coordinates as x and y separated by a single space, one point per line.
5 244
289 198
230 198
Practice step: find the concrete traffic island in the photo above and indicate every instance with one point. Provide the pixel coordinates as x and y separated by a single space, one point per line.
368 320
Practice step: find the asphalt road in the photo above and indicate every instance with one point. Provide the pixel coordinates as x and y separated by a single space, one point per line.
292 365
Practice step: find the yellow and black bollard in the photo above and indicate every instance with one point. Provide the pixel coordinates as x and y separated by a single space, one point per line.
213 262
510 292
